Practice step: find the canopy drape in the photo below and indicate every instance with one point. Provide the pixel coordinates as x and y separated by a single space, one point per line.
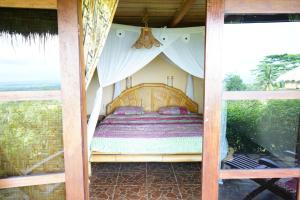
183 46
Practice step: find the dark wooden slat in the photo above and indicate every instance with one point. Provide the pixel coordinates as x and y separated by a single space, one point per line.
29 95
259 173
22 181
261 6
73 99
212 101
182 12
260 95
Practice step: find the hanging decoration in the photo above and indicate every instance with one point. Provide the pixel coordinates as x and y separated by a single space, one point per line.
146 38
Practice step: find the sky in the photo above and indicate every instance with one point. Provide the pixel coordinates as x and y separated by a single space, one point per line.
21 61
244 46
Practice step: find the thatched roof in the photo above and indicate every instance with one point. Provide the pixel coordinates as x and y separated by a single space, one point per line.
28 22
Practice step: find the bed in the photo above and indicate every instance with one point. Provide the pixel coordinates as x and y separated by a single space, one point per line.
149 137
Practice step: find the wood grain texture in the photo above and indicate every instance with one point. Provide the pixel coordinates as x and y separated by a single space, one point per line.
29 95
40 4
161 13
73 99
260 95
261 7
212 100
22 181
152 96
186 6
98 157
259 173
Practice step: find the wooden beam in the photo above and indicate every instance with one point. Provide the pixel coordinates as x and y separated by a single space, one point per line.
73 98
39 4
261 7
186 6
259 173
29 95
22 181
260 95
213 98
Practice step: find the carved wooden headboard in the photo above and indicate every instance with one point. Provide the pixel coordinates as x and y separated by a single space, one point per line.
152 96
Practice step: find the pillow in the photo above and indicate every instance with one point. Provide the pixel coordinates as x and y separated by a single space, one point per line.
129 110
174 110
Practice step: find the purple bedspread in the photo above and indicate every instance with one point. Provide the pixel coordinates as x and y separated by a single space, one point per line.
150 125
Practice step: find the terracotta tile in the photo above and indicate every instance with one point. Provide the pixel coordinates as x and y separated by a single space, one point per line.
165 192
192 166
161 178
104 179
159 167
101 192
132 178
133 167
105 167
130 192
190 192
188 177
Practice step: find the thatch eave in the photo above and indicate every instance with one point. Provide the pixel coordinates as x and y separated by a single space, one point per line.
29 23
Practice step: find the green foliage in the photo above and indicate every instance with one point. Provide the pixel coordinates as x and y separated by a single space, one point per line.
234 83
260 126
272 67
30 131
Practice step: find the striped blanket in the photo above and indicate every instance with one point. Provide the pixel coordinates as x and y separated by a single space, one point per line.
150 125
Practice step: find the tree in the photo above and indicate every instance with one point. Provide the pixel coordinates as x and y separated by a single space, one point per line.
271 67
234 83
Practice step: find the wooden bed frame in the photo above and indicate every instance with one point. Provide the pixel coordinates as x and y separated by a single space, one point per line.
151 96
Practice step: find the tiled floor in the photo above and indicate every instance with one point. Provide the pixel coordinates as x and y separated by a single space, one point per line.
145 181
160 181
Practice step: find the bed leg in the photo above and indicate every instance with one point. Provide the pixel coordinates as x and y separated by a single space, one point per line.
90 169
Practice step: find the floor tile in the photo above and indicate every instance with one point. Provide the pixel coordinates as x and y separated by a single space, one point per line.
101 192
133 167
163 192
132 178
190 192
105 167
123 192
161 178
186 177
104 179
159 167
192 166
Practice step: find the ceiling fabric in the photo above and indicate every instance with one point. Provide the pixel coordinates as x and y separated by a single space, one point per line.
183 46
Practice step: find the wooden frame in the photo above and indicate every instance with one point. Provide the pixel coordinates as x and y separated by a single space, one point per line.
216 9
72 95
261 7
23 181
212 99
73 98
98 157
44 4
152 96
30 95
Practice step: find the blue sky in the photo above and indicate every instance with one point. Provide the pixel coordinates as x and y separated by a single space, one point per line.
23 61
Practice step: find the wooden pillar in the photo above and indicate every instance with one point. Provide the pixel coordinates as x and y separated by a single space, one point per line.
73 99
213 99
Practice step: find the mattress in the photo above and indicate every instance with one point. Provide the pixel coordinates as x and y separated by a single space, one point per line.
150 133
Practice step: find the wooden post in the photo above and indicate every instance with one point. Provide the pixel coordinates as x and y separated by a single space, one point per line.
212 101
73 99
